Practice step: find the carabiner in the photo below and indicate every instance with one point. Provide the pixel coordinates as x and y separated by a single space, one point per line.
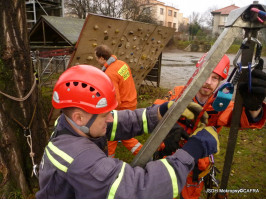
243 46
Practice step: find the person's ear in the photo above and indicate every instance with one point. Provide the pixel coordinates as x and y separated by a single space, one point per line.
77 117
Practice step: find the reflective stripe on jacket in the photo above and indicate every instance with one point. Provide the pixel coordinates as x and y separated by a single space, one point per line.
76 167
120 74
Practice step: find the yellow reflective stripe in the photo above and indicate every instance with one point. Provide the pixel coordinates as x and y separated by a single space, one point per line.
115 185
144 121
114 125
172 174
55 162
56 121
60 153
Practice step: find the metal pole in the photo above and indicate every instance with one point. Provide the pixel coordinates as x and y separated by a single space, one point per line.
215 54
237 111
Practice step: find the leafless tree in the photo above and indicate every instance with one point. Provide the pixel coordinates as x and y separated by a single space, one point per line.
207 17
127 9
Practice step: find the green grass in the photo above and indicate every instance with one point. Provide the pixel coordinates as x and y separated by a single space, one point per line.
248 167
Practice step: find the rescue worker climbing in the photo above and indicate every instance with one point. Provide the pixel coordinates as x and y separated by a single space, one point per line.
75 162
120 74
253 114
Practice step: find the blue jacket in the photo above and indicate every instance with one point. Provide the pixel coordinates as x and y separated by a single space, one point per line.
77 167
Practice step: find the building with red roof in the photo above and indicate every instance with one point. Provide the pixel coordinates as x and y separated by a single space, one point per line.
220 18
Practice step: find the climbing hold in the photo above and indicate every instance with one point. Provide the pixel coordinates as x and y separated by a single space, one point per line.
105 32
113 42
94 44
144 56
89 58
96 27
131 32
116 31
127 45
106 37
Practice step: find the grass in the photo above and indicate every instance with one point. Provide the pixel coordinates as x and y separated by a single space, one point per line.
248 167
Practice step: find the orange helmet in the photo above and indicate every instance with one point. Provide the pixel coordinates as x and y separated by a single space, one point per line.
85 87
222 67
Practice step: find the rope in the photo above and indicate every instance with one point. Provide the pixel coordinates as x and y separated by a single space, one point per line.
23 98
32 154
29 141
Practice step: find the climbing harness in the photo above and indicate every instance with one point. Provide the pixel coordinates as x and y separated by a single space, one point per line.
210 180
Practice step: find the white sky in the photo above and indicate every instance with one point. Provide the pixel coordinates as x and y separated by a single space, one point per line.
188 6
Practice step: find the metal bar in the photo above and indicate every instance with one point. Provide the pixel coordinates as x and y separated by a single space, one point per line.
237 111
215 54
47 66
42 7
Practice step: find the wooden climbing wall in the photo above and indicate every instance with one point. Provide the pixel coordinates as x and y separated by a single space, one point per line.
138 44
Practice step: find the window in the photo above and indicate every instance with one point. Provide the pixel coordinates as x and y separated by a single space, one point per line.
147 10
174 14
225 19
169 24
169 12
174 25
161 11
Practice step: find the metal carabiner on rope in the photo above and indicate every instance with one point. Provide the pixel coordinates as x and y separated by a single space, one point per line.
243 46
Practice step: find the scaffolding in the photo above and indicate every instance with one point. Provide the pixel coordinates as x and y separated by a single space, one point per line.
36 8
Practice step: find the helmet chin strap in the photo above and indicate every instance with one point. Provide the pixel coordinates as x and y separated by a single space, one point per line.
85 129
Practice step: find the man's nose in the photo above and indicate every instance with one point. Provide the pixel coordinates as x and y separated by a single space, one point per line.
208 81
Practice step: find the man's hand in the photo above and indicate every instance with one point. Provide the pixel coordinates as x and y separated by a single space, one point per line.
191 112
253 100
209 138
171 142
203 142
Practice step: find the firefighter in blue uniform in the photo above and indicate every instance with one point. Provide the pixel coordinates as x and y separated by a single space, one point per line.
75 162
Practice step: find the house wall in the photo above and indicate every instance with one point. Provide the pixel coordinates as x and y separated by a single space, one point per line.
219 22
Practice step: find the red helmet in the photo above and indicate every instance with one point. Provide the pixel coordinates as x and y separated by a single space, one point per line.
221 69
85 87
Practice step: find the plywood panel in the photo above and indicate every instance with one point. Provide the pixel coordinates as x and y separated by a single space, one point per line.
138 44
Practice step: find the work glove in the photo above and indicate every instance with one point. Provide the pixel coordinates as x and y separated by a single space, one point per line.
171 142
253 100
203 142
191 112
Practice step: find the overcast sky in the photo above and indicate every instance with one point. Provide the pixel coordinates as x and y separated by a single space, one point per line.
188 6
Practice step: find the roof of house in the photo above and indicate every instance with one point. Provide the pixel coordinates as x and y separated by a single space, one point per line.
225 10
68 29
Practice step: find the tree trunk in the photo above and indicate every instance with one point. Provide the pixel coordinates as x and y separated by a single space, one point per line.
17 118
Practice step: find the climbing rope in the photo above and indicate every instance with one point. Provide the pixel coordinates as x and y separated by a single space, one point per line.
23 98
29 141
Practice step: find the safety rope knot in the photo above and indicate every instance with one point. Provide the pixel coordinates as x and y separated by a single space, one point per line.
32 154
